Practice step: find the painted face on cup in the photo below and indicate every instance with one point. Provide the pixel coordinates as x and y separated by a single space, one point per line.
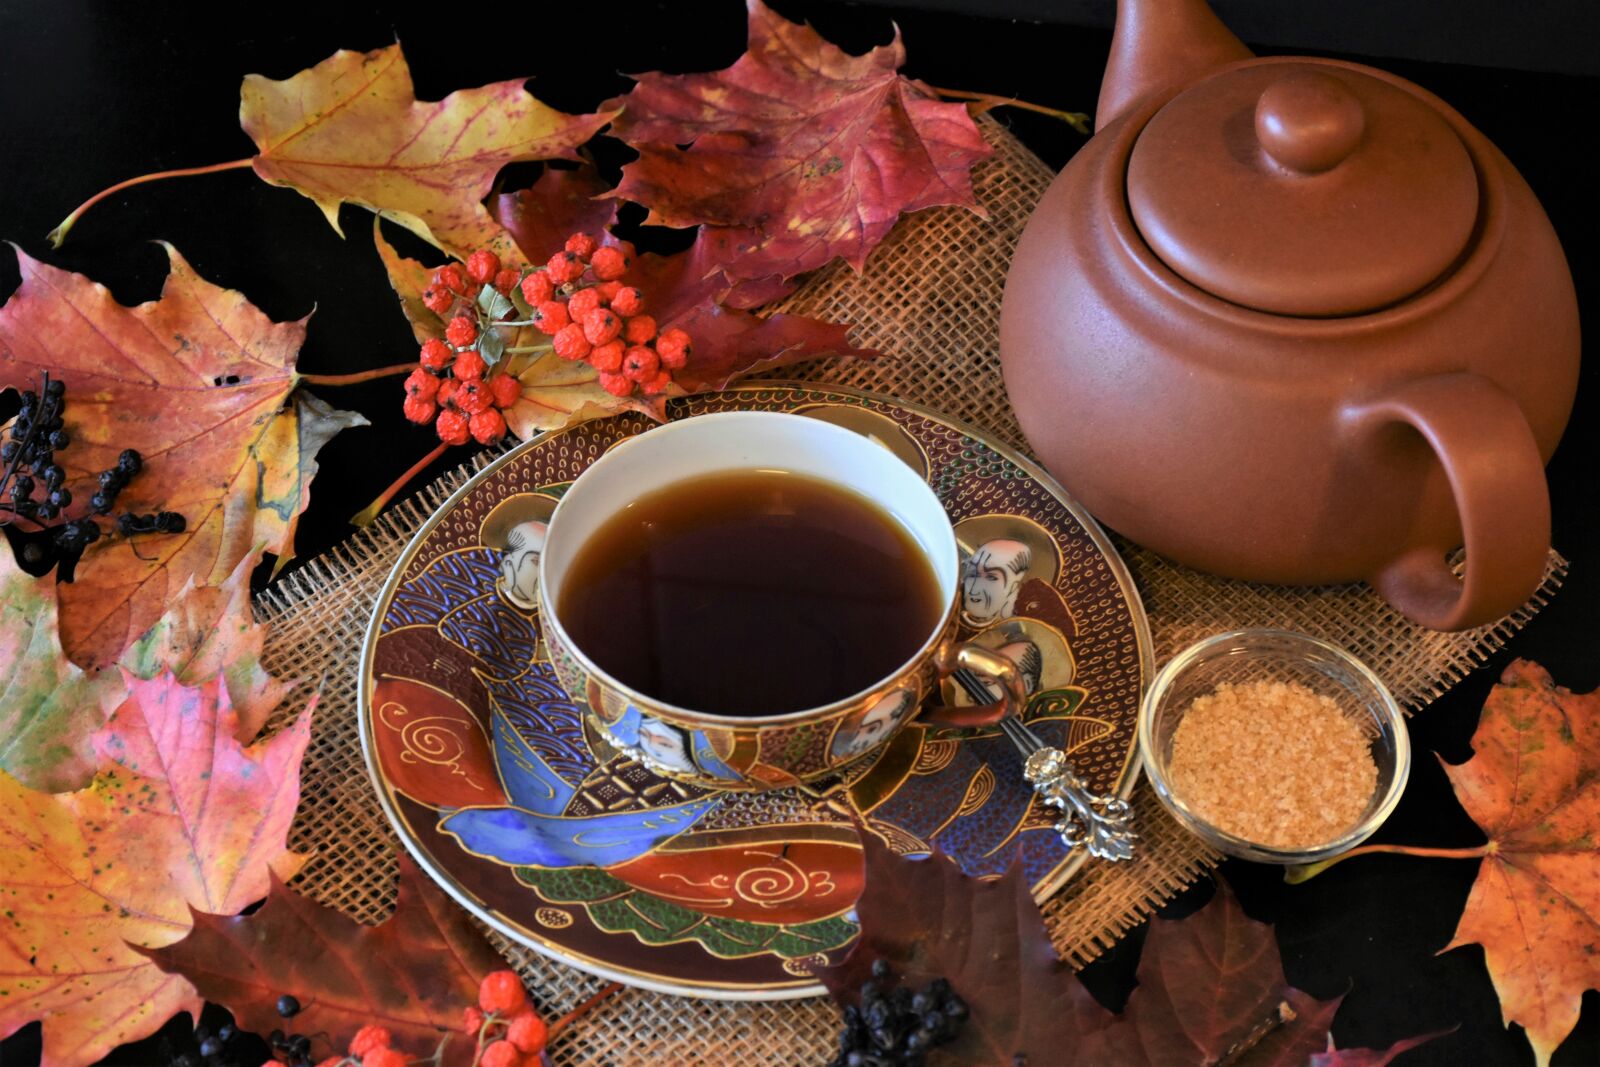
875 727
665 746
992 577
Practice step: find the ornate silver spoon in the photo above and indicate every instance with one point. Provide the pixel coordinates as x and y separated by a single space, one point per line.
1101 825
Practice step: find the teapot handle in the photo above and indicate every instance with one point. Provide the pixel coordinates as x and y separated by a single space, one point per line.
1487 449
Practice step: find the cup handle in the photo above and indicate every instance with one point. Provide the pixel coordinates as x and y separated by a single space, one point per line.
956 656
1488 452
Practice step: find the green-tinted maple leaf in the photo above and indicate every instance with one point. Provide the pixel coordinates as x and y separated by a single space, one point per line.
351 130
203 385
210 631
179 815
50 707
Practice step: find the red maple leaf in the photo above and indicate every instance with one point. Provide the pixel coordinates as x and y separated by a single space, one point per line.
800 150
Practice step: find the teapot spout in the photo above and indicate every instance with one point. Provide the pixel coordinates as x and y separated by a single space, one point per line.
1161 43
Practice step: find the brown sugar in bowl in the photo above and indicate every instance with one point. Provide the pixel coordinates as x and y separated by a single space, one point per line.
1298 752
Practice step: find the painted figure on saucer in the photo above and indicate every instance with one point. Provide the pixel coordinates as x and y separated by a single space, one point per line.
519 566
1010 570
516 527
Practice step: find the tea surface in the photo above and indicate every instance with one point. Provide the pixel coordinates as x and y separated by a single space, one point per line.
750 593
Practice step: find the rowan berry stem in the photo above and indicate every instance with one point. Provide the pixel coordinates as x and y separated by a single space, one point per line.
1296 875
360 376
583 1009
367 515
1076 119
59 234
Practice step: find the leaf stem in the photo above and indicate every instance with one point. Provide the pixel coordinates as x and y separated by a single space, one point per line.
524 349
59 234
1280 1015
368 514
1076 119
1296 875
583 1009
360 376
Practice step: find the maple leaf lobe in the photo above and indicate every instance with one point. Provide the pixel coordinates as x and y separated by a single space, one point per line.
413 973
1209 985
116 865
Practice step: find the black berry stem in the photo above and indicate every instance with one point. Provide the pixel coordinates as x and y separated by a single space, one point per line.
59 234
22 450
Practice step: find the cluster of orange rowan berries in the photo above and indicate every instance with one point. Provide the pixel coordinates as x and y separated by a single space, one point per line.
579 298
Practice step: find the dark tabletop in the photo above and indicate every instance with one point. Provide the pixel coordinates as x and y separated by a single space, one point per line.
91 94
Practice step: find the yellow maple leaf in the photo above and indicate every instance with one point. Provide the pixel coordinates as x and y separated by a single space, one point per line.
351 130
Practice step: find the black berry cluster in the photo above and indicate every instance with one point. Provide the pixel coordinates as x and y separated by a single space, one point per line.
900 1025
296 1047
224 1046
223 1043
33 488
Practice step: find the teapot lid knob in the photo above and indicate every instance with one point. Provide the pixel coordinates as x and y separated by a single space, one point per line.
1303 187
1309 122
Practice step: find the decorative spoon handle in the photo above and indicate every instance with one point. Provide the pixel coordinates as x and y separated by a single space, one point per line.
1102 825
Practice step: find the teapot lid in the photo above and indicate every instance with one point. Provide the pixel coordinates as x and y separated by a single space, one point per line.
1303 188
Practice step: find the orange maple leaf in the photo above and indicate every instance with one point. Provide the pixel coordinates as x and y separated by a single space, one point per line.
1533 787
180 815
351 130
202 384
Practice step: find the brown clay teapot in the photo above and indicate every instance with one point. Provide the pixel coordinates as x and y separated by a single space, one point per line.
1294 320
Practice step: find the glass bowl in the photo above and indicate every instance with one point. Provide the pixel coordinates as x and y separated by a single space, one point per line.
1243 656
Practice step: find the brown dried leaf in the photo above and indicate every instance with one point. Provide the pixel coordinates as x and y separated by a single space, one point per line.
413 973
1210 986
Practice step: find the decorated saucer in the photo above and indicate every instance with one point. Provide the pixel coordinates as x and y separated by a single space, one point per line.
586 852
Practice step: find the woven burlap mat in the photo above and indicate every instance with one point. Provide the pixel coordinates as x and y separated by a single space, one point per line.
930 300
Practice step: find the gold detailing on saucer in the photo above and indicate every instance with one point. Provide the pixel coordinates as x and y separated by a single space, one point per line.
979 790
777 881
804 966
935 756
427 740
553 918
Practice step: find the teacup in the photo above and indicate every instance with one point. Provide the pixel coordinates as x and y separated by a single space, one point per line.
753 752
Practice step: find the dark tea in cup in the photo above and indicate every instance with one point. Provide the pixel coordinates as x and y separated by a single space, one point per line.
755 600
750 592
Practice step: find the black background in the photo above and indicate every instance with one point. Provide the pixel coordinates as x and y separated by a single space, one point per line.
92 93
